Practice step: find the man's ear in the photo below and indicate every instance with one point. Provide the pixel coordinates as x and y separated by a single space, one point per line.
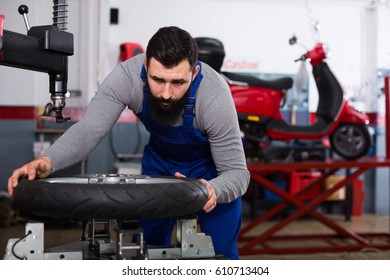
145 64
195 72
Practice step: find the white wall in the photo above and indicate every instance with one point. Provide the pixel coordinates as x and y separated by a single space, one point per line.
258 31
251 30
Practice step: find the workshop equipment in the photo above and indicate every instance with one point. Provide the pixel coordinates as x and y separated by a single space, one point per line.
100 245
101 199
44 49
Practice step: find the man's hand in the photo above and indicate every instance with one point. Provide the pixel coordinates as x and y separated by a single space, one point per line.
211 196
40 167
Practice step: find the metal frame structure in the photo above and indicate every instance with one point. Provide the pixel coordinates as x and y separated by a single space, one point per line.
352 241
128 243
343 239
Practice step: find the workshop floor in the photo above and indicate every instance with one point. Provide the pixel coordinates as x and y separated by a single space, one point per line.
360 224
56 235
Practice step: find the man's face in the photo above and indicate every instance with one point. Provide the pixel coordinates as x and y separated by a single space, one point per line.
169 89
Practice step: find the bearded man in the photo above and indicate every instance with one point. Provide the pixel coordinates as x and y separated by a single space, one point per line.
189 112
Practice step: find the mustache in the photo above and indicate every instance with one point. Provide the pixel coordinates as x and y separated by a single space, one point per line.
169 101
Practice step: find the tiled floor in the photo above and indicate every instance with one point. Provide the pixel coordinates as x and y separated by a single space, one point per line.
56 235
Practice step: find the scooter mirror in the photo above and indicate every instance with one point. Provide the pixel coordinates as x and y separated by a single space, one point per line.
293 40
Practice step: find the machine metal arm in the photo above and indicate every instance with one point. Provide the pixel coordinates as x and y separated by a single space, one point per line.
43 49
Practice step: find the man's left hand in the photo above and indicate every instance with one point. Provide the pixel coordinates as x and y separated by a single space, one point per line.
211 196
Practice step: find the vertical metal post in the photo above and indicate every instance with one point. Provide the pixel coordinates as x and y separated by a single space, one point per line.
387 115
387 123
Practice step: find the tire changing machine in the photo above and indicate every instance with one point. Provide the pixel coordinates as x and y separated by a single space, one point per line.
128 243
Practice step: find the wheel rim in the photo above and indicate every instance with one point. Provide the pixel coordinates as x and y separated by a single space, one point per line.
112 179
349 140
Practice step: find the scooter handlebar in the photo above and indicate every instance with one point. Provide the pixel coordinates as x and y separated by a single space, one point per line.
316 55
302 58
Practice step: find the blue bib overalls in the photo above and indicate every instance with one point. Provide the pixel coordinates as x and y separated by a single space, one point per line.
184 149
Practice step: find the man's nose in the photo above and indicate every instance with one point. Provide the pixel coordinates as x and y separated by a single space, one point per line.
166 92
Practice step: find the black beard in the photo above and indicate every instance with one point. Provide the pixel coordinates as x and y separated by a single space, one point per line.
166 115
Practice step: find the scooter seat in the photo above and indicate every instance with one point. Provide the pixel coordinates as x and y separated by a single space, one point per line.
320 126
281 83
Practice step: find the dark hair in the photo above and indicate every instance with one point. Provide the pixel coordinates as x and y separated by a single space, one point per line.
170 46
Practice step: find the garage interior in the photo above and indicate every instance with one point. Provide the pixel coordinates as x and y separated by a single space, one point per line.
304 201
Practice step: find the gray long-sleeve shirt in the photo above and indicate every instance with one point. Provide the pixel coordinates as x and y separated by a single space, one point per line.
215 116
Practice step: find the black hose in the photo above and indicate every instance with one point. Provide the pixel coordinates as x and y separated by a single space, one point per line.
13 246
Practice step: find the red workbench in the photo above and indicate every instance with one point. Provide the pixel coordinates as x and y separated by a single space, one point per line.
252 244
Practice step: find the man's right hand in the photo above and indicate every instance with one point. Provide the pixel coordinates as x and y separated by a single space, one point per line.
40 167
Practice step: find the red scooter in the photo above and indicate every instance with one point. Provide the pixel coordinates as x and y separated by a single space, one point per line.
258 104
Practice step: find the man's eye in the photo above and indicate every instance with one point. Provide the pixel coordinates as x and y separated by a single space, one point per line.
178 83
158 81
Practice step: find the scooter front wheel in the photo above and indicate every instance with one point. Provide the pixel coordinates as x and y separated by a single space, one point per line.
351 141
110 196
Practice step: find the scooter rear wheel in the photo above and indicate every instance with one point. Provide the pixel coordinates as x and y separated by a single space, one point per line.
351 141
112 196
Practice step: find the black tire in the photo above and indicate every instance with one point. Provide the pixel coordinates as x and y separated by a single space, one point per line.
82 199
351 141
